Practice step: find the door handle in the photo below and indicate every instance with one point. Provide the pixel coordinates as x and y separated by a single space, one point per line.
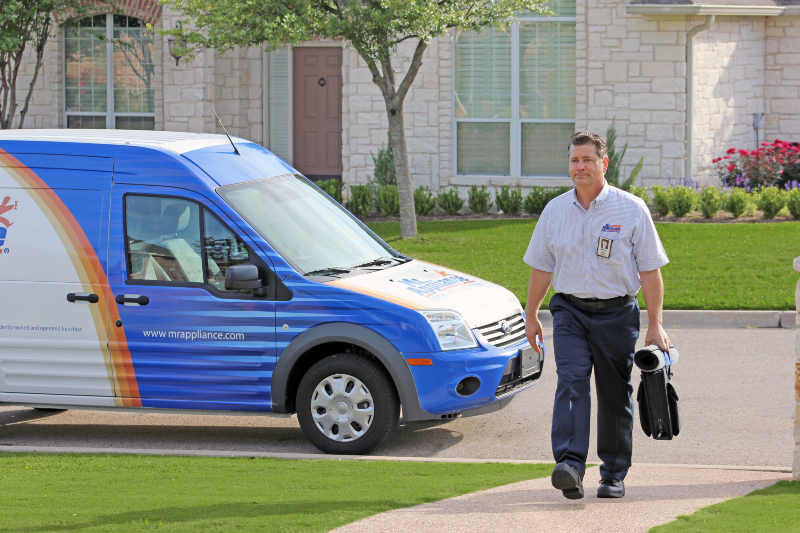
132 299
82 297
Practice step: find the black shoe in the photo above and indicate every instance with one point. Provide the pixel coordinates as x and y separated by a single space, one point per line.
566 479
611 488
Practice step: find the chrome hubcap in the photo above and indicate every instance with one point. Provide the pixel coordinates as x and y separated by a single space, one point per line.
342 408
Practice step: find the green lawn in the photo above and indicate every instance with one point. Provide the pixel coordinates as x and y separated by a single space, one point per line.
712 266
776 508
53 492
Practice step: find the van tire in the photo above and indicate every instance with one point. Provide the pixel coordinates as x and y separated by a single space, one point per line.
385 403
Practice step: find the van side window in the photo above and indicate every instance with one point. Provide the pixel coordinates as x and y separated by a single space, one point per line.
223 249
163 237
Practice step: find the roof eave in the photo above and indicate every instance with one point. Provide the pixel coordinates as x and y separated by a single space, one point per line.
701 9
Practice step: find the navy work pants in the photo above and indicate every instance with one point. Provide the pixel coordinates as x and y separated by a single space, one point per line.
606 340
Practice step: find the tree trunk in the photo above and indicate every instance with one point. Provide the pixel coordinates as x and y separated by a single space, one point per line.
405 189
393 97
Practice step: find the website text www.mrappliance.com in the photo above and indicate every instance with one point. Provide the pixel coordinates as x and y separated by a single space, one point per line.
197 335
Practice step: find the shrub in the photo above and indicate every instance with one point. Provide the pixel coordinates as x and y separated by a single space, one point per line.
384 170
710 201
424 201
360 201
333 188
389 201
766 166
737 202
536 200
479 199
641 192
770 200
660 200
615 161
450 201
509 200
790 177
793 203
539 197
681 200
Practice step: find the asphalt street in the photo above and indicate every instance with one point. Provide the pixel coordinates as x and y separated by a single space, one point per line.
736 389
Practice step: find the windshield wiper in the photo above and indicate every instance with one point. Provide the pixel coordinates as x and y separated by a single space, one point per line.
329 270
375 262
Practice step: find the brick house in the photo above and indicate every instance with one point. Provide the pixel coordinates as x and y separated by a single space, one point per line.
495 107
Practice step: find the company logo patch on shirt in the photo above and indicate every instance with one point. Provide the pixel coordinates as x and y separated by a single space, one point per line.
611 228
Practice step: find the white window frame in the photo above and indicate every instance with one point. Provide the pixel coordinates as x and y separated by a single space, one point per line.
111 122
515 121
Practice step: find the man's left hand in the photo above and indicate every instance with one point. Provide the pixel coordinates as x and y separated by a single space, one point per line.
657 335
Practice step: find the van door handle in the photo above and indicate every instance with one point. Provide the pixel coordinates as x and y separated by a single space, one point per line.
132 299
83 297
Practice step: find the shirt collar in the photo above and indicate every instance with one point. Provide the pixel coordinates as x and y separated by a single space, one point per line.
598 200
603 193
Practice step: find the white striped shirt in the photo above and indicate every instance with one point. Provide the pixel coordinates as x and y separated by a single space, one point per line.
566 239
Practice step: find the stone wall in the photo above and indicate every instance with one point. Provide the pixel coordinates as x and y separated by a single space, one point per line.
366 124
782 80
729 88
41 112
189 88
238 100
632 69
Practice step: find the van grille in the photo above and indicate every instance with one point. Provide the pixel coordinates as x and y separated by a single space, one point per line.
494 334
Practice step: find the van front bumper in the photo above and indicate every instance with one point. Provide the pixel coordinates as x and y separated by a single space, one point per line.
496 369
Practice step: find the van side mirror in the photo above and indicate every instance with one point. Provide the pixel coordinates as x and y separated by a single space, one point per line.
242 277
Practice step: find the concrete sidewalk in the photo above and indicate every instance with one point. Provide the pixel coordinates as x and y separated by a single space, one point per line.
654 496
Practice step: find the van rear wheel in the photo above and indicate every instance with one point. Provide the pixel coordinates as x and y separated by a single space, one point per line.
346 404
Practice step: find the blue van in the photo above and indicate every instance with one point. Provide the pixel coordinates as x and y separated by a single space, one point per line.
168 271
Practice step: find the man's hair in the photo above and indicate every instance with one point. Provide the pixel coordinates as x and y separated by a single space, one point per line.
589 137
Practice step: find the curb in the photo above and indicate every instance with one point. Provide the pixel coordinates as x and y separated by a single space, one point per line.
712 319
320 456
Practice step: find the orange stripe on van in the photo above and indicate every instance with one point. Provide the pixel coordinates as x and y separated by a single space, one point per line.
92 276
376 294
419 362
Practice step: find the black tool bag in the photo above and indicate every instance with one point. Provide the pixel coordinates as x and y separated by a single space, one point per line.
658 405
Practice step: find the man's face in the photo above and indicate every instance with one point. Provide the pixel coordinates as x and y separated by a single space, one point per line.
586 168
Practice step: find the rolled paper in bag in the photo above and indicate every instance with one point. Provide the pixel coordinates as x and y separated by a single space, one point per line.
652 358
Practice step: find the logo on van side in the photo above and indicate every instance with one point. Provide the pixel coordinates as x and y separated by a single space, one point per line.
5 207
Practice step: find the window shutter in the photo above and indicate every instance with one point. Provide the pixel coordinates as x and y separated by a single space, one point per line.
279 131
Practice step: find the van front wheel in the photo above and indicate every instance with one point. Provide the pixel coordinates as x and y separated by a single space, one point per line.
346 404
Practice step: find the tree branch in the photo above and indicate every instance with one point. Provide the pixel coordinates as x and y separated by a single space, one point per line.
416 63
43 32
414 36
388 74
377 79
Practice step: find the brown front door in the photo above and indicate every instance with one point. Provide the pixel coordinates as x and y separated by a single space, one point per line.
318 112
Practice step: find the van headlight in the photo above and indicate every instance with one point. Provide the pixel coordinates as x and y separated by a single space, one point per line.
449 328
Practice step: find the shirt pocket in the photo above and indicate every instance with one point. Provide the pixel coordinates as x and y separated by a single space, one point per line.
620 251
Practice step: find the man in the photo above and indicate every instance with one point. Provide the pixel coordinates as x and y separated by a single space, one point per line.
598 245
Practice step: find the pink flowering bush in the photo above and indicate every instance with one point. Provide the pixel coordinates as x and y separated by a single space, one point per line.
774 164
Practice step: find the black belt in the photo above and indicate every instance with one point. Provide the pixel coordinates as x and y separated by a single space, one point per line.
595 303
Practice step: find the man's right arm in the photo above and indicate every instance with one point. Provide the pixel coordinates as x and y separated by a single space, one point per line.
537 290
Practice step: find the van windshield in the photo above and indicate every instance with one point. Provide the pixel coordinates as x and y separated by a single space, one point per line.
311 231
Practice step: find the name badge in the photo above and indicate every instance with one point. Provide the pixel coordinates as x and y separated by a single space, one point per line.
604 247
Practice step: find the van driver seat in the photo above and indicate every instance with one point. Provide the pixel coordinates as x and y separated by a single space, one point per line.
174 220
